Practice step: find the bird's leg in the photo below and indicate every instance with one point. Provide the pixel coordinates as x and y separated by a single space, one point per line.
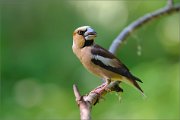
102 87
99 87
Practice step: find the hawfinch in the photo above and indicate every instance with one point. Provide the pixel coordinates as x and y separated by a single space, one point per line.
99 61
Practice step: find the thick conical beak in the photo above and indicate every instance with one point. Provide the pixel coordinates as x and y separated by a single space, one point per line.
90 34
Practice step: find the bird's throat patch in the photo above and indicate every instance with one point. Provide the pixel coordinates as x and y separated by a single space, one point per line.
88 43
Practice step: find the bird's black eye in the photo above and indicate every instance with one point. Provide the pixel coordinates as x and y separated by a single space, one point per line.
80 32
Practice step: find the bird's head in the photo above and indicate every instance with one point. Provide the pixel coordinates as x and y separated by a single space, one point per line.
83 35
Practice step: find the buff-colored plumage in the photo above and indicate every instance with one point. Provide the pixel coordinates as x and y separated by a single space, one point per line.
98 60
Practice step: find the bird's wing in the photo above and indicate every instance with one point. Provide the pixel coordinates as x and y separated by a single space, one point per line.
108 61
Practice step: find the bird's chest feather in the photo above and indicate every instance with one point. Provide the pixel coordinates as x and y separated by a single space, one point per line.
85 56
86 59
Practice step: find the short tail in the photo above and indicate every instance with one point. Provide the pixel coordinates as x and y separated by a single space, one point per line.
136 85
133 82
135 78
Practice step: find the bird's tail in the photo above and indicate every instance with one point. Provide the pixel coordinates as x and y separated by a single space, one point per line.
135 85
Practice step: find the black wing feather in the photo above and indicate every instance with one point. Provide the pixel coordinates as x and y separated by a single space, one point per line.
122 70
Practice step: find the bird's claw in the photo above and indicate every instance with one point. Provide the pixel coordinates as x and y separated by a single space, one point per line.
99 93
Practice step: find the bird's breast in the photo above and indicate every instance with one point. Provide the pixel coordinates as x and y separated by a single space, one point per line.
85 56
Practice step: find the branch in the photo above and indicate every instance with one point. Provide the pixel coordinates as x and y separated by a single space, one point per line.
85 107
170 3
85 102
169 9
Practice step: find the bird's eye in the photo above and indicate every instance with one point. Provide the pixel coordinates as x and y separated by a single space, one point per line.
80 32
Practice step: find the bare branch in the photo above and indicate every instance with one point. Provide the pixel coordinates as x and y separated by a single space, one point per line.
84 106
86 102
170 3
139 22
76 93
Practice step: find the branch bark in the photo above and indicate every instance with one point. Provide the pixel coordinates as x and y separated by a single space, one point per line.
85 102
169 9
170 3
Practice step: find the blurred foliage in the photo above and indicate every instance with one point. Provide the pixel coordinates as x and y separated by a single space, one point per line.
38 67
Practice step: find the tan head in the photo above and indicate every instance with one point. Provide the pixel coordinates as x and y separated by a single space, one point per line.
82 36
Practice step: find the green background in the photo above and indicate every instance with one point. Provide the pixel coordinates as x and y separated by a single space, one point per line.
38 67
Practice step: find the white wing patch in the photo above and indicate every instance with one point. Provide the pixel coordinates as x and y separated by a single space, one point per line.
106 61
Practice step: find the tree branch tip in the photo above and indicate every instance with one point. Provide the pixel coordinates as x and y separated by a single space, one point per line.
76 93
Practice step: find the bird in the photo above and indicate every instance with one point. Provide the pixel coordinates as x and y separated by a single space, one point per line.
100 61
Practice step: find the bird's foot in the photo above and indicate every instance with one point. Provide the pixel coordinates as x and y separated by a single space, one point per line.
100 89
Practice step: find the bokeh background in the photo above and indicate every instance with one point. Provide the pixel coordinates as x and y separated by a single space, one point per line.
38 67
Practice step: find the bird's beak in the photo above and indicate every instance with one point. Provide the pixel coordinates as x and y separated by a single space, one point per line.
90 34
